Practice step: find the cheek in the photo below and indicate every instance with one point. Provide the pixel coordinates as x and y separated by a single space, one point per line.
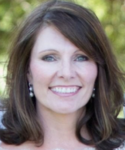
89 73
41 72
92 74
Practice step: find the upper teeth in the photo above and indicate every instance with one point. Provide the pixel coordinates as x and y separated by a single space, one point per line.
65 89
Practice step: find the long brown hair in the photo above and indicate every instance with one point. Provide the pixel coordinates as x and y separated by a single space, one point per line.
83 29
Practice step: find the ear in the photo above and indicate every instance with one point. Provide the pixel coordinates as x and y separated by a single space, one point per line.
29 76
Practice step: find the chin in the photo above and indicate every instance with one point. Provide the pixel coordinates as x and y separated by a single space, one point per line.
67 110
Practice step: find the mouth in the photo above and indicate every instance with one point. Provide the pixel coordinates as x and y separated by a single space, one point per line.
65 90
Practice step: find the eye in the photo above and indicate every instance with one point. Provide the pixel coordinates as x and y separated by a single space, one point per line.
81 58
49 58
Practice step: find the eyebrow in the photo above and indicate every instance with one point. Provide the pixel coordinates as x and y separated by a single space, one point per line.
54 50
46 50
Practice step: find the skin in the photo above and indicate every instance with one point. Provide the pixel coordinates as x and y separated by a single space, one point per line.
56 62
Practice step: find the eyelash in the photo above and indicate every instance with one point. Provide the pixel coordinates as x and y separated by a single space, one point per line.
84 58
51 58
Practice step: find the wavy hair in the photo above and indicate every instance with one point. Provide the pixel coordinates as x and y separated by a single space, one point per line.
80 26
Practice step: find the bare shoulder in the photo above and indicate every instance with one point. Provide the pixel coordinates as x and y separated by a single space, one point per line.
24 146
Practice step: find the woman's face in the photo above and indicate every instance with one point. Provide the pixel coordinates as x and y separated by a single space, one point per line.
62 76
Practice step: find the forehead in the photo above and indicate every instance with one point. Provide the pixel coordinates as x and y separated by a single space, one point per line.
50 38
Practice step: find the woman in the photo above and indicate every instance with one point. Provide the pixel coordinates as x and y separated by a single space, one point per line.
64 85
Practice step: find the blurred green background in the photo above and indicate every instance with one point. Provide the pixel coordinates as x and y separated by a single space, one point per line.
110 12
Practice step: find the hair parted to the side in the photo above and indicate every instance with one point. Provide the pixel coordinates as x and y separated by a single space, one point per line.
83 29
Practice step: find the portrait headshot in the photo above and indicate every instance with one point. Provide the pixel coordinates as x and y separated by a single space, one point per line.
64 86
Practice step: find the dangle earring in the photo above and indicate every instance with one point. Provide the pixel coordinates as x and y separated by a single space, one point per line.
93 94
31 90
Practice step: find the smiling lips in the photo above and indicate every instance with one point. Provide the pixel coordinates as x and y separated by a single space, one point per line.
65 91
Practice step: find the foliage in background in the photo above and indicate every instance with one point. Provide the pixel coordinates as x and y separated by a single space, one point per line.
110 12
112 16
12 12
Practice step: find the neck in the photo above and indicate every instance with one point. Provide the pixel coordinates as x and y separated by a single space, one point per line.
57 122
59 128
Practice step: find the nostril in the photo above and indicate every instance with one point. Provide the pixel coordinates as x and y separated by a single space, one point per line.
66 72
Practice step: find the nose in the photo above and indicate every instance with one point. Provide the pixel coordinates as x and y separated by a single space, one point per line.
66 70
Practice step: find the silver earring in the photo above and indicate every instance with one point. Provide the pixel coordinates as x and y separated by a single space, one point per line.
31 90
93 94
